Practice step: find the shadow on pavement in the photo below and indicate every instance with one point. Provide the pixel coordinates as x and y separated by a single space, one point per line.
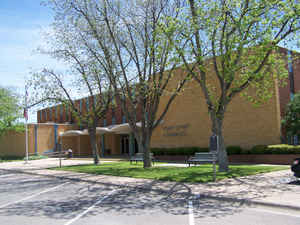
125 201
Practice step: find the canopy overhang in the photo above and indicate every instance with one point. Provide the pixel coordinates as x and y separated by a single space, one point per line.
72 133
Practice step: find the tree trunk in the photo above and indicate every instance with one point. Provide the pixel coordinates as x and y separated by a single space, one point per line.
144 147
217 129
92 132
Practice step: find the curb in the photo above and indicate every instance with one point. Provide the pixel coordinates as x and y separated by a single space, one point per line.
253 202
159 190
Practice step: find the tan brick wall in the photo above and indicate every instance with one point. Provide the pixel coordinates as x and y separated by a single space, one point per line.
112 142
187 122
12 144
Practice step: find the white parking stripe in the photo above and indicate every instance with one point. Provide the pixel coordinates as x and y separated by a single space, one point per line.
89 209
32 196
274 212
7 175
191 213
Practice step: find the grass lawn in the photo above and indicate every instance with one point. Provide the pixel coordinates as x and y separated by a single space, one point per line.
20 158
202 173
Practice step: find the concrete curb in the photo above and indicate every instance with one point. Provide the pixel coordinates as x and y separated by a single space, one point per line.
249 202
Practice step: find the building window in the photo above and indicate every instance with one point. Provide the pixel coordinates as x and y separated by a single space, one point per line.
123 119
61 112
45 114
104 123
50 114
56 117
95 100
80 106
40 115
67 113
87 104
113 120
290 61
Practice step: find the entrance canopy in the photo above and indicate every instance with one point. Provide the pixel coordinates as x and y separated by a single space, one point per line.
123 128
72 133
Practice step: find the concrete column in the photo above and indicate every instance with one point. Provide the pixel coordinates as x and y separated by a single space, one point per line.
35 139
102 145
55 136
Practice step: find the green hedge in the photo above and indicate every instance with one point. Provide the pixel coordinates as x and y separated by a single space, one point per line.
36 157
232 150
178 151
275 149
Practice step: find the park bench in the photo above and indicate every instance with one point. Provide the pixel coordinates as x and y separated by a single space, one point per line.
202 157
140 157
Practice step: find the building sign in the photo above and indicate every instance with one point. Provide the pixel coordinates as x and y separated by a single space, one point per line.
176 130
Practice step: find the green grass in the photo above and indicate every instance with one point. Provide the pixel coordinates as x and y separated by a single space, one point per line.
202 173
20 158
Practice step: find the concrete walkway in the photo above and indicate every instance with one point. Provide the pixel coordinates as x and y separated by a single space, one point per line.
269 189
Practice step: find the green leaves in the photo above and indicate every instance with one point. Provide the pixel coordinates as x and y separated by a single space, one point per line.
10 111
291 119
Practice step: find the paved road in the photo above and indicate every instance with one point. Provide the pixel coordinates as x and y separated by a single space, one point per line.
30 200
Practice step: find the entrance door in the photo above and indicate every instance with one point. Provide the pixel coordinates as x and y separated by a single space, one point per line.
125 144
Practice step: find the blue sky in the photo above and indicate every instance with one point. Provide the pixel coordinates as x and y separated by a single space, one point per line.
21 25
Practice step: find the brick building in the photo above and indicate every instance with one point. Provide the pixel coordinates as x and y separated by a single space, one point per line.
187 122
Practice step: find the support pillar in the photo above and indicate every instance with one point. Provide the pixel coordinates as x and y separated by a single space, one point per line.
102 145
35 139
55 137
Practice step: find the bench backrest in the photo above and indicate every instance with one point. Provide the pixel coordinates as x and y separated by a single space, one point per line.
205 155
141 155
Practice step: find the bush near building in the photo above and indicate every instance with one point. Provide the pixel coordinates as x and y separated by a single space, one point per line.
232 150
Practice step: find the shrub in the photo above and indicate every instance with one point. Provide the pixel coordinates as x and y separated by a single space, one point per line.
275 149
283 149
258 149
178 151
232 150
10 157
35 157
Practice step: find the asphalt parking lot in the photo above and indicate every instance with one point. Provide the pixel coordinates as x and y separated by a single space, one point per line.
29 200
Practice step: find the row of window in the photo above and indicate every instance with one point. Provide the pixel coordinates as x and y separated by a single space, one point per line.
49 116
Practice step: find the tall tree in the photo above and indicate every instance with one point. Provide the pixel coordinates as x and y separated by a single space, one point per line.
84 77
138 61
291 119
10 111
230 47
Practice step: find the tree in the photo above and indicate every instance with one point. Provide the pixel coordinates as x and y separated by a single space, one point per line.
138 61
10 111
230 47
68 43
291 119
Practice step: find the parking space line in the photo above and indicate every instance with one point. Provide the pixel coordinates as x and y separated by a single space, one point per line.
89 209
32 196
6 175
274 212
191 213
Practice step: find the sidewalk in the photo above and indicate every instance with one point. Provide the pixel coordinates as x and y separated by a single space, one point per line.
269 189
